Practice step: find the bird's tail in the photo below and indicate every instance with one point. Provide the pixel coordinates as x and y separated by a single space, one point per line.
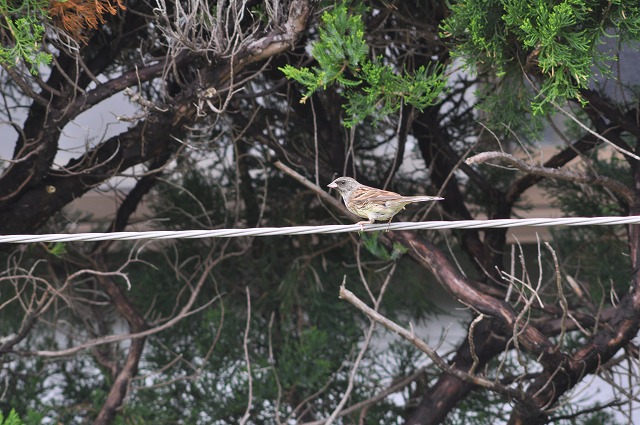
423 198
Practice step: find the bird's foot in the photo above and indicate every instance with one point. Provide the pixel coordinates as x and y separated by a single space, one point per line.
362 223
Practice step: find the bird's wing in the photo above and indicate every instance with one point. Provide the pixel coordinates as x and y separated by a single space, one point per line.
384 198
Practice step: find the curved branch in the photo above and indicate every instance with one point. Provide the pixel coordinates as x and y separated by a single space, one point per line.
20 82
435 146
579 147
137 324
430 352
440 398
461 288
115 85
186 311
615 186
136 145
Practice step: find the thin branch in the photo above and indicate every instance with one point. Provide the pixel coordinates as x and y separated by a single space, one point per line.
615 186
365 345
393 388
579 413
184 313
247 359
431 353
20 82
472 347
306 183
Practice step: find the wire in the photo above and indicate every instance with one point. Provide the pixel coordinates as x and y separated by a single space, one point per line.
308 230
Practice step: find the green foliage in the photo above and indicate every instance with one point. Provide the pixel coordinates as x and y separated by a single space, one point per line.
554 42
341 47
24 22
11 419
376 248
57 249
370 88
303 361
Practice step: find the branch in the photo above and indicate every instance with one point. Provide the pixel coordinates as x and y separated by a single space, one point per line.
283 38
627 121
306 183
615 186
394 387
136 145
558 160
247 359
20 82
430 352
461 288
134 199
120 387
366 343
111 87
186 311
579 413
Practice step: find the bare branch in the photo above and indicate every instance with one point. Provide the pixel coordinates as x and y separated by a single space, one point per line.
394 387
431 353
247 359
615 186
365 345
184 312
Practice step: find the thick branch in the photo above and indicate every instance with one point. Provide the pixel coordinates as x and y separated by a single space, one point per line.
136 145
439 399
461 289
435 144
120 387
284 37
116 85
137 323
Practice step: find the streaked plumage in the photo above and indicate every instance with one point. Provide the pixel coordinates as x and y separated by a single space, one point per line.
371 203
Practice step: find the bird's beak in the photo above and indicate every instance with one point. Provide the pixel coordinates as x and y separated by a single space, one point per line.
332 184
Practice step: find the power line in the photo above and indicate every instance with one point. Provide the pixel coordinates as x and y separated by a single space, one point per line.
308 230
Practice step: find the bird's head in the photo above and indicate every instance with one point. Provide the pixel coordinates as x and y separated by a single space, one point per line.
344 184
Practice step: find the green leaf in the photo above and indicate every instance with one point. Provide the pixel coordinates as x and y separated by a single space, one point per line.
12 419
57 249
373 245
370 88
25 23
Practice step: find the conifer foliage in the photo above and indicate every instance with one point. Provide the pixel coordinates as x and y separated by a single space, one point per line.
77 17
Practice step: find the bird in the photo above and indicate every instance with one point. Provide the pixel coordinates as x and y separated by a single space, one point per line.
371 203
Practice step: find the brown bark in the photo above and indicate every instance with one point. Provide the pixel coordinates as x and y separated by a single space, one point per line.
437 401
460 287
129 369
435 142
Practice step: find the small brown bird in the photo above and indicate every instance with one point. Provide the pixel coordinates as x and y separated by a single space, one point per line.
371 203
